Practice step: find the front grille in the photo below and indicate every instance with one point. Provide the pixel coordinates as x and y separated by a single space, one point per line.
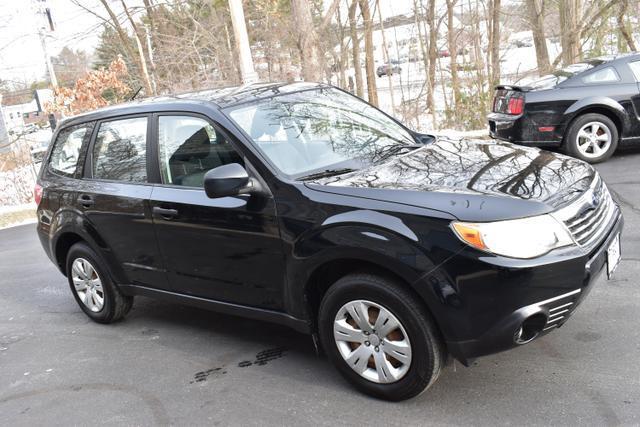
588 217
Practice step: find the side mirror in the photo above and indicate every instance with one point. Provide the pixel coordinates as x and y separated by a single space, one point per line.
228 180
423 138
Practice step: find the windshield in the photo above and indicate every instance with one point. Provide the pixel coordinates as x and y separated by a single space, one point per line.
555 78
320 130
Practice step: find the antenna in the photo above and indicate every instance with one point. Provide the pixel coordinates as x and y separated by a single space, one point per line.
136 94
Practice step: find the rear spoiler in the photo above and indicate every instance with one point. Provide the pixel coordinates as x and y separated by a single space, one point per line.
514 88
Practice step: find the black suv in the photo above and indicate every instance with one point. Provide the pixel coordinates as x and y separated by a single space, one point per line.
303 205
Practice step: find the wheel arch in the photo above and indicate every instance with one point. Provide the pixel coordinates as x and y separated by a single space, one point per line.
61 248
324 275
390 245
601 105
69 227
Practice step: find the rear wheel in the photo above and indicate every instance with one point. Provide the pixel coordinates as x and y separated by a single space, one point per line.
92 288
380 337
592 138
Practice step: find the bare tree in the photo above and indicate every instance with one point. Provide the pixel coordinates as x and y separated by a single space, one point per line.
355 47
434 27
149 79
494 41
115 23
307 40
453 51
385 51
622 26
535 10
372 90
570 12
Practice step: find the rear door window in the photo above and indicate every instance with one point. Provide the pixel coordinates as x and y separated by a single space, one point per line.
65 154
120 150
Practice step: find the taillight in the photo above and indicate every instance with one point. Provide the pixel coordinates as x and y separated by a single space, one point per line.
516 105
37 193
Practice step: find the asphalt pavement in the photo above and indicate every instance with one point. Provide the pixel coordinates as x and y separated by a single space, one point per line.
169 364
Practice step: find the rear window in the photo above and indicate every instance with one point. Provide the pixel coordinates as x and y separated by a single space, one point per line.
67 147
120 150
555 78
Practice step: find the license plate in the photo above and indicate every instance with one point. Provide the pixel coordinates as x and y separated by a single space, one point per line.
613 256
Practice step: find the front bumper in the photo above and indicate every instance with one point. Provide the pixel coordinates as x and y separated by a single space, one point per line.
490 313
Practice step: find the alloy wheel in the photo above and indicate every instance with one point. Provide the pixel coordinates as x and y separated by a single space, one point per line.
87 284
372 341
593 139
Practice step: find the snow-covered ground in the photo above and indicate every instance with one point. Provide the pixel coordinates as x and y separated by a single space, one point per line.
16 187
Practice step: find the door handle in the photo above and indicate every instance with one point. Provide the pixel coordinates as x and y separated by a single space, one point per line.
86 200
165 213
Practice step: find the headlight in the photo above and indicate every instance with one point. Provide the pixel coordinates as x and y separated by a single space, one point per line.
518 238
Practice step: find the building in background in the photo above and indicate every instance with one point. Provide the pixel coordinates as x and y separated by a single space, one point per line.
22 114
24 125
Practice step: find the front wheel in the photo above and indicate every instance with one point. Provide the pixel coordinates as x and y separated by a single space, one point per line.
380 337
592 138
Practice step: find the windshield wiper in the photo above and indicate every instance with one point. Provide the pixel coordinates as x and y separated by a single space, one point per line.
325 174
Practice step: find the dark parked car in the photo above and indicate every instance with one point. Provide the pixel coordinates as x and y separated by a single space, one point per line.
587 109
389 69
303 205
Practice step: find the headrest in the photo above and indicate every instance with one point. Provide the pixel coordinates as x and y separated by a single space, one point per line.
196 143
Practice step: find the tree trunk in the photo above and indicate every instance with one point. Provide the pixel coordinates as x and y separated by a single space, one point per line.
344 57
307 39
434 25
385 50
453 50
149 86
570 30
425 48
355 46
372 90
494 43
624 30
536 17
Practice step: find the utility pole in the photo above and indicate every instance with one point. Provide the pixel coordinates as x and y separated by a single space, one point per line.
41 8
248 74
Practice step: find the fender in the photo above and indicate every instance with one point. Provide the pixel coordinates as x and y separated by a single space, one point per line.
369 237
68 220
602 102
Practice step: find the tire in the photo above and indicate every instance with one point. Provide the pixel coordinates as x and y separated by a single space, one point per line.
578 143
84 266
426 351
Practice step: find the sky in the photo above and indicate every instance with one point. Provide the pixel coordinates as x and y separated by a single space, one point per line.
21 55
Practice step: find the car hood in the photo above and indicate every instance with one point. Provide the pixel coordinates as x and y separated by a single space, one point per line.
471 180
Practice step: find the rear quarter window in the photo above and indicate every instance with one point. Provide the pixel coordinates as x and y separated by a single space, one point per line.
67 149
605 75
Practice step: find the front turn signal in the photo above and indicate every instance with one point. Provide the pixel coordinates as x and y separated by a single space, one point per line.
469 234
